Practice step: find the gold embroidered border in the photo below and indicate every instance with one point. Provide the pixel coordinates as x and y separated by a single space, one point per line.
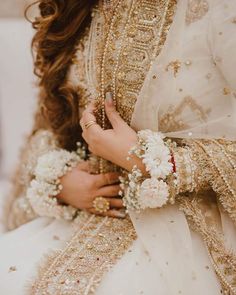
146 36
78 269
136 42
222 162
223 260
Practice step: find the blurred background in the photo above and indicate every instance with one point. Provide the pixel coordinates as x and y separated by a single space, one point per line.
13 8
18 91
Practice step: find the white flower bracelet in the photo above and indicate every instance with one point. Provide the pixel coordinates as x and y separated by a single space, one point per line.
141 193
46 185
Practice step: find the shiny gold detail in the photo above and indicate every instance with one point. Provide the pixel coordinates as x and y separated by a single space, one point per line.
197 9
101 205
172 119
221 170
18 209
175 66
139 40
226 91
79 268
196 208
89 124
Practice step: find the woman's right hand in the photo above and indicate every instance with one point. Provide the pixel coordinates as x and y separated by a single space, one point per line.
80 188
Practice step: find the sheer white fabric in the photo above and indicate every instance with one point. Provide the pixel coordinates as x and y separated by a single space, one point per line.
205 83
201 97
167 258
172 267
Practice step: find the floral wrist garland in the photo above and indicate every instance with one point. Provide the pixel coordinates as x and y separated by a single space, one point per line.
46 185
140 193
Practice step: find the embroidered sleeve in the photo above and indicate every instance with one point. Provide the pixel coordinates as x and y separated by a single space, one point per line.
202 164
18 209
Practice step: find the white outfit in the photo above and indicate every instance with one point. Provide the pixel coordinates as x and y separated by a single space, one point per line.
167 258
27 245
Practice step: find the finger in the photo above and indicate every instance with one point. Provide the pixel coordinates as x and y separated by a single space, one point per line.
83 166
113 116
115 203
109 213
91 107
106 178
108 191
89 117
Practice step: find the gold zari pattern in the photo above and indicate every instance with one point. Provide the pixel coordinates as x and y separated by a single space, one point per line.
78 269
216 162
172 119
223 260
197 9
136 42
19 210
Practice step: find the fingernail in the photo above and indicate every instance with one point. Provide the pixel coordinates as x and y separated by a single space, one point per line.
109 98
121 214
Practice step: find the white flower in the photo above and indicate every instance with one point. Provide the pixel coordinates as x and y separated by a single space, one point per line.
157 161
156 155
153 193
46 186
151 136
54 164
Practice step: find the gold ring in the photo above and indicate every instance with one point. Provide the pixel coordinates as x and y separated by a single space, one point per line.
101 205
89 124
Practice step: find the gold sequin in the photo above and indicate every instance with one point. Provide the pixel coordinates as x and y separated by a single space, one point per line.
226 91
175 66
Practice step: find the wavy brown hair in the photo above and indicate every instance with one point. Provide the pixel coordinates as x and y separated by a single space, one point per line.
58 29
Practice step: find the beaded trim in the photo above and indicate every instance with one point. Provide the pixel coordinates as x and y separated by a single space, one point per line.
95 247
132 47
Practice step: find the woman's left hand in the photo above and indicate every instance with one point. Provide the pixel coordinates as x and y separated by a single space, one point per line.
112 144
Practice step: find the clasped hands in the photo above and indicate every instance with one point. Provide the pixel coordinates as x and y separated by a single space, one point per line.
82 189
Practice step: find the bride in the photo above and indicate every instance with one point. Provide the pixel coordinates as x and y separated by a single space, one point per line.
126 185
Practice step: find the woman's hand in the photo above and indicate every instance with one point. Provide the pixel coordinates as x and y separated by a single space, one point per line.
112 144
80 188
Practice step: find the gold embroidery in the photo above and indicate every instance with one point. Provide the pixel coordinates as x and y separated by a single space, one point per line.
197 9
78 269
18 210
79 69
172 121
145 39
222 162
175 65
226 91
216 162
223 260
132 46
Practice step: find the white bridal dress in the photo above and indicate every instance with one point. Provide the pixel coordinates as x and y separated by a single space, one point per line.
189 92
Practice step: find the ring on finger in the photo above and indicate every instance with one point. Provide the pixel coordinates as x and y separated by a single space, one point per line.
101 205
89 124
